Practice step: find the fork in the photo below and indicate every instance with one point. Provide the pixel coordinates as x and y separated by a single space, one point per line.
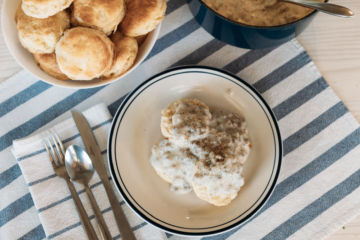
57 161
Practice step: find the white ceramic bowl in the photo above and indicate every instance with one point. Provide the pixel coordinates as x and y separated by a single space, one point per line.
136 127
26 59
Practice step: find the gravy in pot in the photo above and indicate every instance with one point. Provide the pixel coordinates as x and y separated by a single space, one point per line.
259 12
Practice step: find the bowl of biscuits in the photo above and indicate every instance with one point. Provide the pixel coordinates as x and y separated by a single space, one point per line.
81 43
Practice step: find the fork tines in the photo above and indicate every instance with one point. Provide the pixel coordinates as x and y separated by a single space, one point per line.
56 155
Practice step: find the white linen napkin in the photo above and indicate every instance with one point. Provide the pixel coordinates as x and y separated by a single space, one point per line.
51 195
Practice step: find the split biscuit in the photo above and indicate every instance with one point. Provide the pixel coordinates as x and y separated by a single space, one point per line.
41 35
142 16
84 53
44 8
126 49
47 63
104 15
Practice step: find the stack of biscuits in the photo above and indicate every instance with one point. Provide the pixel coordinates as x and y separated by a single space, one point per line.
86 39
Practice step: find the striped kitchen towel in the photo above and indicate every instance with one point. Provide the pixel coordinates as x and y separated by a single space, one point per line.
319 184
51 195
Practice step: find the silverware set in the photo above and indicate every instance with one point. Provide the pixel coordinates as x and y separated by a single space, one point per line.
74 164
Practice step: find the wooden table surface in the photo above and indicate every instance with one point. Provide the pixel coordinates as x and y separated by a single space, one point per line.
333 44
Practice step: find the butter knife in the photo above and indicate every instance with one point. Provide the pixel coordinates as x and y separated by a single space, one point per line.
94 152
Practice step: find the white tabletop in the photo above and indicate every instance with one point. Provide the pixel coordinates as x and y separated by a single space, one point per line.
332 43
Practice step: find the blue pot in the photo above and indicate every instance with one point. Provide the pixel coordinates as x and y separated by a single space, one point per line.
242 35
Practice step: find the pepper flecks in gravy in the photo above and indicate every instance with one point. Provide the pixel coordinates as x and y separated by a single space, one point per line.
259 12
204 151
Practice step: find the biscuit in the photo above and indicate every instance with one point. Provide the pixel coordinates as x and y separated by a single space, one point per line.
168 127
104 15
164 176
41 35
44 8
126 49
217 200
47 63
141 39
142 16
84 53
18 12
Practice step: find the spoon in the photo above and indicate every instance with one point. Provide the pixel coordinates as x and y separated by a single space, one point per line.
323 7
80 169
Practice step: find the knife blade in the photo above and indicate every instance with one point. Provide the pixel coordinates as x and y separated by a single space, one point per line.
95 155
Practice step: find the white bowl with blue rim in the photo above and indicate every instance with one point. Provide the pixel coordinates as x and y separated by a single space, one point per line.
136 127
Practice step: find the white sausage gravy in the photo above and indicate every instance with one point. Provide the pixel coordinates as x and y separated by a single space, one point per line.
212 158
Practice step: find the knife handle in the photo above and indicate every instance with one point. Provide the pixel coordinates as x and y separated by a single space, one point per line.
121 220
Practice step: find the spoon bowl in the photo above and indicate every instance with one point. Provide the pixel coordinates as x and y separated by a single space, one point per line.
78 164
80 169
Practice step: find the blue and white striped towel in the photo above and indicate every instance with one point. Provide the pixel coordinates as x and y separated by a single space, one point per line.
319 185
51 196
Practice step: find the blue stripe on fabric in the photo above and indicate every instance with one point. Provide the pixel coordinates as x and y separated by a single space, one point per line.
173 5
22 97
314 127
173 37
63 141
301 97
45 117
67 198
31 154
15 208
76 225
41 180
36 233
133 229
201 53
9 175
54 175
282 72
58 202
312 169
316 208
113 107
305 174
247 59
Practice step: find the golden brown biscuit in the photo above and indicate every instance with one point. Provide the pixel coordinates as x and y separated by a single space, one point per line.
217 200
18 11
104 15
44 8
141 39
142 16
47 63
126 49
41 35
84 53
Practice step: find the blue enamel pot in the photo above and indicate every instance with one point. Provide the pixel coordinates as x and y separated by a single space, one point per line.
246 36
